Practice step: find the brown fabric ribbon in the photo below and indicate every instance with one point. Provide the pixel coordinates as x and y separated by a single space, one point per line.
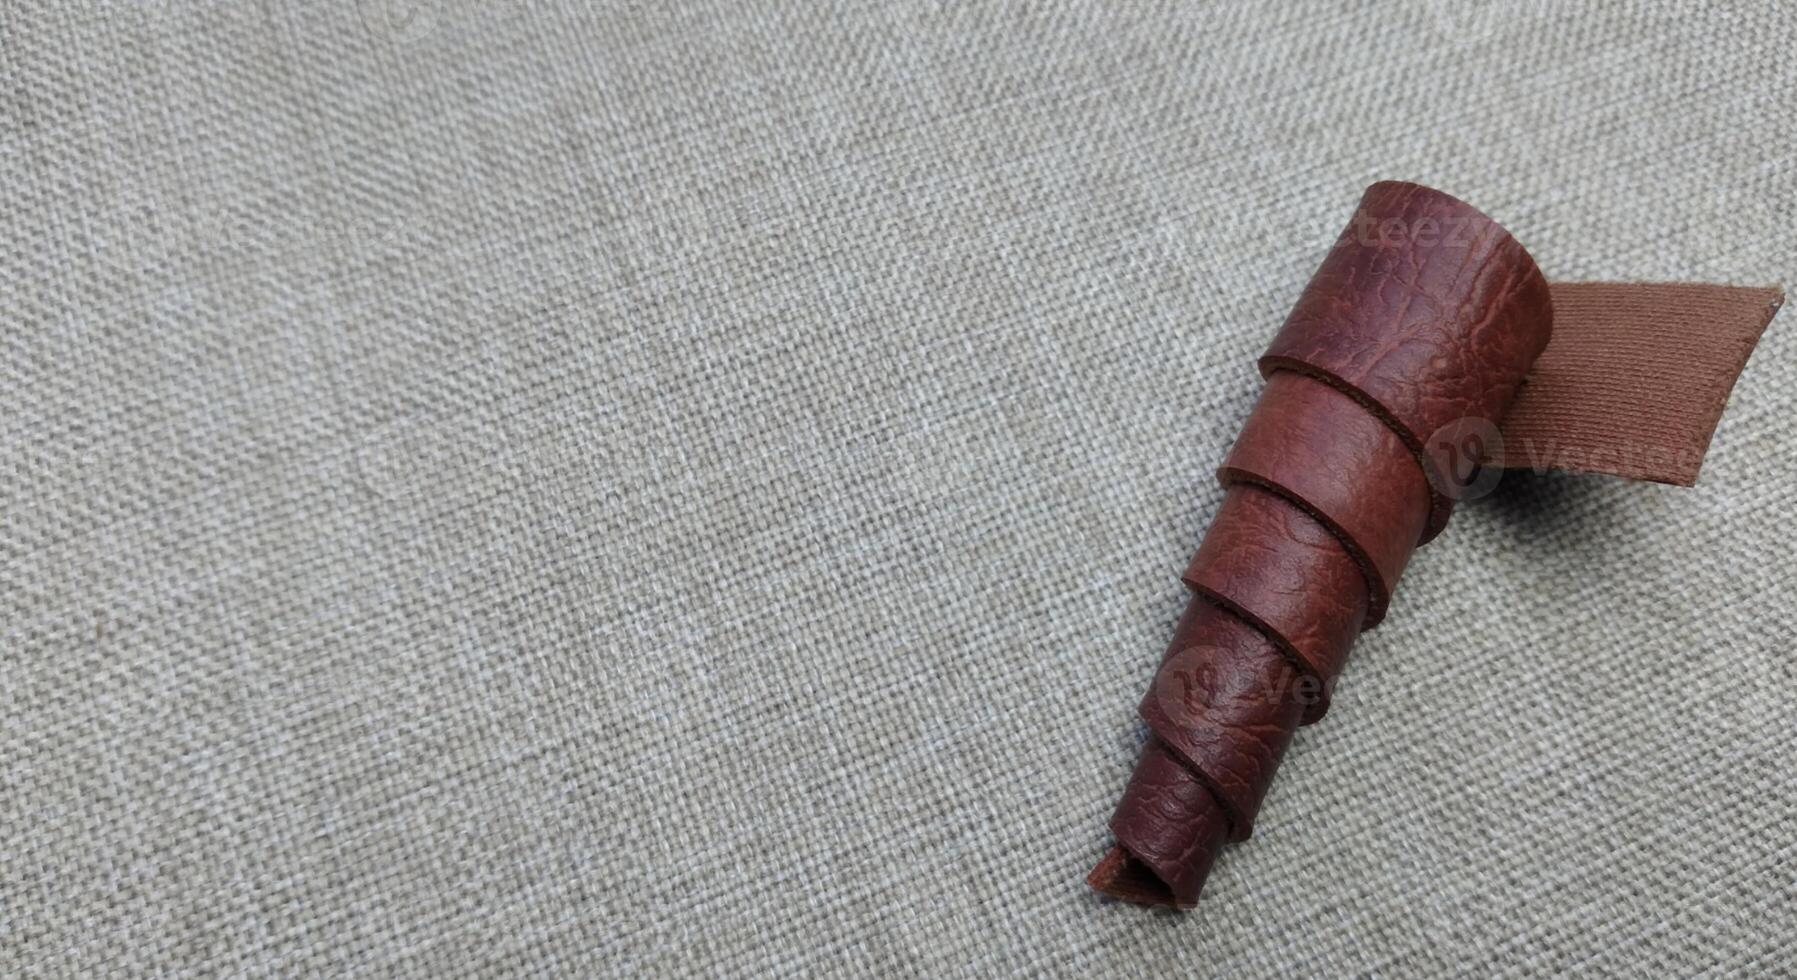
1428 343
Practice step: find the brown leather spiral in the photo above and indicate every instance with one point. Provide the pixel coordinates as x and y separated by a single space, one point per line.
1425 312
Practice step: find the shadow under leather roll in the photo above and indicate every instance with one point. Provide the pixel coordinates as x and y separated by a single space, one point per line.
1425 312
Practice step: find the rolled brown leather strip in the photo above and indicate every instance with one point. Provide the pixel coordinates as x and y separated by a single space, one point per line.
1396 336
1394 372
1326 453
1226 701
1425 311
1277 568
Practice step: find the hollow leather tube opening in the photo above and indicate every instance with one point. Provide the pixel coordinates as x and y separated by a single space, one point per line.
1169 828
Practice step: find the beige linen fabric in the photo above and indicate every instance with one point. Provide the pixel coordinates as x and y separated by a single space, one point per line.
547 487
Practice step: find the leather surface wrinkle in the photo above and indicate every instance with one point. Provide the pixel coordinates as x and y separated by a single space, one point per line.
1319 448
1426 311
1277 568
1226 701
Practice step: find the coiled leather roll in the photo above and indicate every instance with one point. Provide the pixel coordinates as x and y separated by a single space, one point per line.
1424 312
1426 344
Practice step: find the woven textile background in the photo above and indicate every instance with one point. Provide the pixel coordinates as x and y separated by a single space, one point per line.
547 486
